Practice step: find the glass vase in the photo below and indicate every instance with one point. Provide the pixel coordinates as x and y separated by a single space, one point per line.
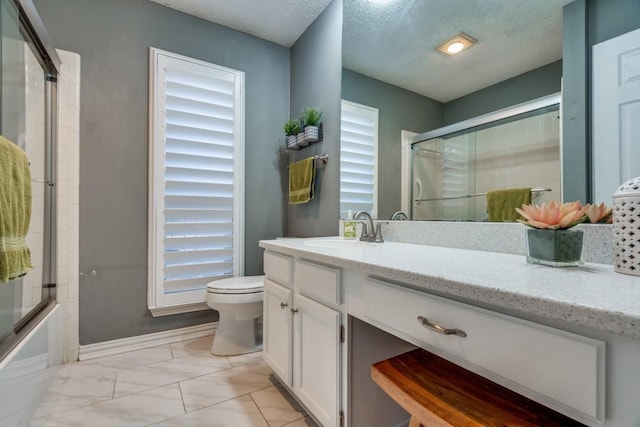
557 248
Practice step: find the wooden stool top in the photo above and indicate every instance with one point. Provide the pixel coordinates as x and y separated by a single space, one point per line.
438 393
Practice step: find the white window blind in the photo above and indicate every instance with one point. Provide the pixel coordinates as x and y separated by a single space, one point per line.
196 178
358 158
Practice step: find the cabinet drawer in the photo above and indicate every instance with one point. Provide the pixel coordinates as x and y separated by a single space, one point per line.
318 282
277 267
556 368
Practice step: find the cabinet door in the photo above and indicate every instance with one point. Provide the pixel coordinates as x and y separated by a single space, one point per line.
276 340
316 359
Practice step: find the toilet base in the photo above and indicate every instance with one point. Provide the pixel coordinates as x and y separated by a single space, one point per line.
235 337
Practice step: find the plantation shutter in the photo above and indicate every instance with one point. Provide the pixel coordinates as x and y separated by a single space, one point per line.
358 158
198 142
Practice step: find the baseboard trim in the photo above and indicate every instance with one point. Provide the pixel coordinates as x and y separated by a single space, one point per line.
123 345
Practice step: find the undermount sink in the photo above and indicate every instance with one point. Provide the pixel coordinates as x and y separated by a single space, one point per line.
334 243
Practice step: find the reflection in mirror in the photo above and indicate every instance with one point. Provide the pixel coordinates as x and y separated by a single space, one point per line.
358 159
454 168
391 64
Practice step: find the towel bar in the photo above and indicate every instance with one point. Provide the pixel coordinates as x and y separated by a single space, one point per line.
466 196
323 157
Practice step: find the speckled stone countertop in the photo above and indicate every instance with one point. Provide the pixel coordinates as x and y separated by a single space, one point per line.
592 295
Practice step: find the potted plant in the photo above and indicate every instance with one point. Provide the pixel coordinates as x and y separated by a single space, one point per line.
550 240
291 130
311 118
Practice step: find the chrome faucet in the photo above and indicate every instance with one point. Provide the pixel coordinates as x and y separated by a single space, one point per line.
399 215
368 235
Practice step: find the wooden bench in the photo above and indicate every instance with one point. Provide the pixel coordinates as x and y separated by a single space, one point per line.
438 393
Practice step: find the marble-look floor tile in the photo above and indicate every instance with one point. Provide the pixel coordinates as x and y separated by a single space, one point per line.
220 386
240 412
76 385
139 409
277 406
304 422
135 380
243 359
134 359
196 347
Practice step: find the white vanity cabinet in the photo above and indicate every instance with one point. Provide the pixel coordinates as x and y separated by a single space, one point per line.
278 332
559 369
302 332
566 338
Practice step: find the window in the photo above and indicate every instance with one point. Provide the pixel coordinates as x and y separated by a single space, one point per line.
196 178
358 158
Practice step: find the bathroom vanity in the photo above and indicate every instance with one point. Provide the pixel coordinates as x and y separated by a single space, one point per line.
567 338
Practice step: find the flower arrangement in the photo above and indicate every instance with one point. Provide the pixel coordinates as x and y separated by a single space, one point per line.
599 214
556 216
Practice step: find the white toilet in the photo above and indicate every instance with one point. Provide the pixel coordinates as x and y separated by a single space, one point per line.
239 302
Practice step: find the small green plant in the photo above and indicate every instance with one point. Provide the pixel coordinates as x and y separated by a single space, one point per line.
292 127
312 116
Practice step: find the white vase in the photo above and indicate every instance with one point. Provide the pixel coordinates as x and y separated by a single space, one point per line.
626 228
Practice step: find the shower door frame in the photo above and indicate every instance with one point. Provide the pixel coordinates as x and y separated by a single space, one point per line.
35 34
483 120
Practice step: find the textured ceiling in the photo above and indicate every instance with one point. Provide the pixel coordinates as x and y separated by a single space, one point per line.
279 21
395 40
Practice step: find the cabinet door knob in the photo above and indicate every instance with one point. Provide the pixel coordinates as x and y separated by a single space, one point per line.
440 329
294 310
283 305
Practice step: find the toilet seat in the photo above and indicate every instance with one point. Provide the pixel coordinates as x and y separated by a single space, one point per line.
237 285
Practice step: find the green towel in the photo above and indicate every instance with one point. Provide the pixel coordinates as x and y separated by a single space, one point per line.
302 177
502 204
15 211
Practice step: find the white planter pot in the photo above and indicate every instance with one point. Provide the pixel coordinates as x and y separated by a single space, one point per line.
302 140
311 133
292 141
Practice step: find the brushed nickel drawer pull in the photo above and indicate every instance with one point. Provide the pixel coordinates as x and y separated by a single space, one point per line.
283 305
439 329
294 310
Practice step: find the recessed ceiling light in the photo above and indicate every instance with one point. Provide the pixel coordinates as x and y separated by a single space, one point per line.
456 44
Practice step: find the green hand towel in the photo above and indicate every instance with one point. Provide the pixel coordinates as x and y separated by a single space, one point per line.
502 204
15 211
302 176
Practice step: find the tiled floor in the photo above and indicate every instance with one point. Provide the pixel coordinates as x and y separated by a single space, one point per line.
179 384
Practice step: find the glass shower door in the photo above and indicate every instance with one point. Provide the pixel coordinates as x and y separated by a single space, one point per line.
452 172
24 113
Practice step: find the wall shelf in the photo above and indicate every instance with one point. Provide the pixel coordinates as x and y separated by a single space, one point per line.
300 147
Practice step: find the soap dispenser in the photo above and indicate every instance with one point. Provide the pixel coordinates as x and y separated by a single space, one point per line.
349 227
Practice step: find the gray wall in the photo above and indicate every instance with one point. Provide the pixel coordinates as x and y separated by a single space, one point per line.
316 64
533 84
113 38
585 23
398 109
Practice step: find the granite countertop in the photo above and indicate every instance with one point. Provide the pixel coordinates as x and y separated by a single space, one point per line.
592 295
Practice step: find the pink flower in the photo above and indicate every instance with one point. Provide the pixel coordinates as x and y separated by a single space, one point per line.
553 216
599 214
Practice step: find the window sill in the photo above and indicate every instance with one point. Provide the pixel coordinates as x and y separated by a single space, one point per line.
178 309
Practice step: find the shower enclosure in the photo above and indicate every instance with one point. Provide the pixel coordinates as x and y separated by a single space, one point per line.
28 118
453 167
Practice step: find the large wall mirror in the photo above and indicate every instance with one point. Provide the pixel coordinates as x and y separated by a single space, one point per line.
391 64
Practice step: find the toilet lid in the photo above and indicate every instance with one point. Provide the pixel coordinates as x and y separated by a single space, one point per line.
237 285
